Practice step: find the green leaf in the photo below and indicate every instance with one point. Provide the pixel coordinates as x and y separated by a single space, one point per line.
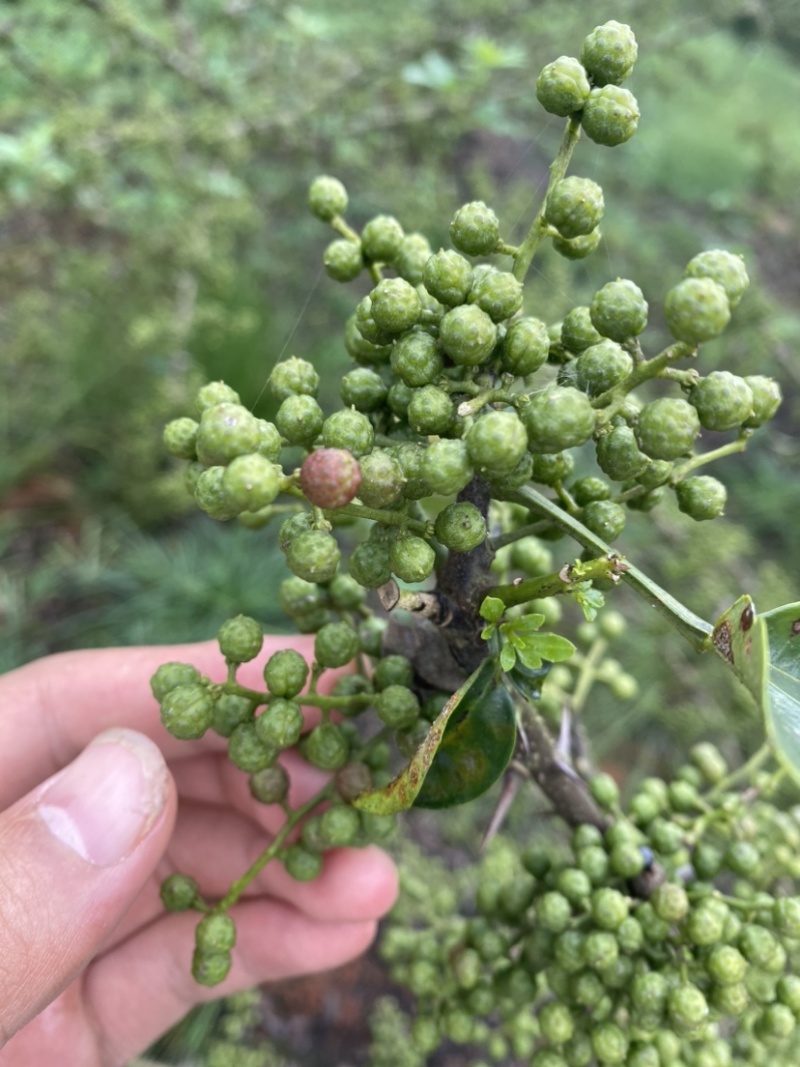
525 624
591 600
554 647
492 609
488 631
764 653
466 750
508 657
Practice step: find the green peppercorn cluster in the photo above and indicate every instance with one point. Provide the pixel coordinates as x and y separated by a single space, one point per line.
667 937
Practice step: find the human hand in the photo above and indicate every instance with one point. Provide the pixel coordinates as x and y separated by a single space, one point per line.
97 805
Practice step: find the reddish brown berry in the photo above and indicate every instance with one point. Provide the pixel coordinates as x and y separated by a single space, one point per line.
330 477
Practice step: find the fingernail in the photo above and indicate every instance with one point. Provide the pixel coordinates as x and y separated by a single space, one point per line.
103 803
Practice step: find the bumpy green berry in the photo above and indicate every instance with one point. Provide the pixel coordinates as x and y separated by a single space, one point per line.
557 418
170 675
696 309
601 367
226 431
393 670
475 229
417 359
396 305
229 711
179 892
585 490
291 377
496 441
382 479
600 950
562 86
619 310
619 456
269 440
351 430
667 428
295 595
343 259
299 419
270 785
498 293
525 347
610 115
670 901
363 389
302 865
326 747
327 198
210 496
210 969
330 477
345 594
577 247
214 393
549 468
722 400
251 482
701 498
609 53
553 912
604 518
610 1043
367 326
240 639
280 724
313 555
397 706
446 466
577 331
766 399
215 933
726 965
180 438
370 564
412 254
187 711
705 925
447 277
467 335
380 238
412 559
460 527
687 1008
604 790
575 206
431 411
335 644
724 268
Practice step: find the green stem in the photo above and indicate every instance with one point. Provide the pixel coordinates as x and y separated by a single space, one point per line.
643 372
554 584
689 625
587 674
747 771
739 445
558 168
388 518
311 700
490 396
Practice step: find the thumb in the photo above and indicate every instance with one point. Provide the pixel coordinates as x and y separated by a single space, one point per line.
76 852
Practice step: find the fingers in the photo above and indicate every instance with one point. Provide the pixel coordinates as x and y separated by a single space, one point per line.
145 985
76 853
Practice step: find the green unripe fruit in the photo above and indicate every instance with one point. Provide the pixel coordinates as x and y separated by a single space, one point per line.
556 1022
340 825
574 206
299 419
240 639
446 467
726 965
179 892
609 1043
335 644
601 367
758 945
209 969
667 428
609 53
562 86
291 377
368 327
411 256
532 557
382 479
776 1023
251 482
214 393
687 1008
649 992
326 747
269 440
552 468
766 399
431 411
558 417
498 293
619 310
397 707
350 430
448 277
229 711
467 335
396 305
696 310
416 358
721 267
370 564
302 865
343 259
578 333
475 229
215 933
627 860
345 594
393 670
327 198
247 751
610 116
170 675
330 478
298 597
604 518
363 389
655 474
380 238
270 785
412 559
314 556
460 527
187 711
609 908
226 431
786 916
180 438
670 902
210 496
553 912
702 497
604 790
496 441
525 347
705 925
788 992
722 400
577 247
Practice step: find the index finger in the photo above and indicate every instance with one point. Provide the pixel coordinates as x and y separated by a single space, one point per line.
52 708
